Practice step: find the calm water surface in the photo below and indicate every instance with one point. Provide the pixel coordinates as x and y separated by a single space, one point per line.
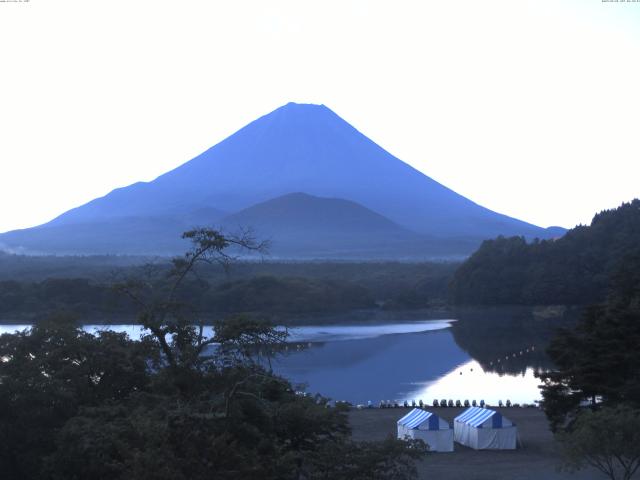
411 360
408 361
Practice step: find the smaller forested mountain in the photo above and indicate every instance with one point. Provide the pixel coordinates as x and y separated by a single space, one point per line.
575 269
311 227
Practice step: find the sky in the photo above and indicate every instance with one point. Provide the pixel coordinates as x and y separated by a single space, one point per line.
527 107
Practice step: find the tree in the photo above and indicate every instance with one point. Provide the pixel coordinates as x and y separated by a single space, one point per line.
598 361
607 439
164 309
390 460
47 374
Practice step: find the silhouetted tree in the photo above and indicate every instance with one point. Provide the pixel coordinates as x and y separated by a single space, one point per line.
607 440
599 359
48 374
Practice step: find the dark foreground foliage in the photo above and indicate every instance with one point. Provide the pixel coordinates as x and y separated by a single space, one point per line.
48 374
599 360
175 405
607 439
572 270
592 397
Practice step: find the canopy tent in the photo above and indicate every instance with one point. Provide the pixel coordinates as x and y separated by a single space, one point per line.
482 428
427 426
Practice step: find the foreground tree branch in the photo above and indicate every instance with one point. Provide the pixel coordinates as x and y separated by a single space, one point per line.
171 321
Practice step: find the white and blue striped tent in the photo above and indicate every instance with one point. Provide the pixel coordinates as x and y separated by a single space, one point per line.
428 427
483 428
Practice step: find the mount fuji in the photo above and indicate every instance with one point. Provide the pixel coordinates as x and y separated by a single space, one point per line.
300 175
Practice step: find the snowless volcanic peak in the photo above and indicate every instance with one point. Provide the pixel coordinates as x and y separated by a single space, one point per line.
296 148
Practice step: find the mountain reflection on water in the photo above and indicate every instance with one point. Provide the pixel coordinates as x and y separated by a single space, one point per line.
488 354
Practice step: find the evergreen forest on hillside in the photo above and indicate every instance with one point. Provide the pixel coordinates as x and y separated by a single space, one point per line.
572 270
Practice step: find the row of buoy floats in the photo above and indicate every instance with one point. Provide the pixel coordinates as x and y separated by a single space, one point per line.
436 403
531 349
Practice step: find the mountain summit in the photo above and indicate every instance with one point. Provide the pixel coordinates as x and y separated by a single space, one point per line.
296 148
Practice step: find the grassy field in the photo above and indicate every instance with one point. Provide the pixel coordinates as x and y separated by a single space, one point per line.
538 457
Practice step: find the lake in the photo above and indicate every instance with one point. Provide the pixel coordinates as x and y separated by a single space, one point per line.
492 358
405 361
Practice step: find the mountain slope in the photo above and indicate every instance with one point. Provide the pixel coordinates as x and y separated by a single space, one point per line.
133 235
296 148
313 227
300 212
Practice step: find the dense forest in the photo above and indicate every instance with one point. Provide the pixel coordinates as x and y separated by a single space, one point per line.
600 356
276 289
572 270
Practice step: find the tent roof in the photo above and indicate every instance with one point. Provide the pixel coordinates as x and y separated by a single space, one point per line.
417 417
476 416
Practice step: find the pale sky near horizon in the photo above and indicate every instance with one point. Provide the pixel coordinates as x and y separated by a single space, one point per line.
528 107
